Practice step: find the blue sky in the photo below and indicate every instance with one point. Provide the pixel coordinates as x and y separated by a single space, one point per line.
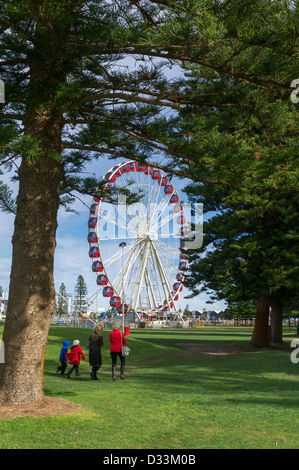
71 258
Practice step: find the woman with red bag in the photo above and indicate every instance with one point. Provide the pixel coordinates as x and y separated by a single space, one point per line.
73 357
117 341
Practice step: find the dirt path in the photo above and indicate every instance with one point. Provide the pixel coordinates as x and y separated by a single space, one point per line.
207 350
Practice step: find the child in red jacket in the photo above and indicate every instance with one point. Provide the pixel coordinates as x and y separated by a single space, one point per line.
73 357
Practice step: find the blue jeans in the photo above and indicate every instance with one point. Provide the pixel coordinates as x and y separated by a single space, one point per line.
62 367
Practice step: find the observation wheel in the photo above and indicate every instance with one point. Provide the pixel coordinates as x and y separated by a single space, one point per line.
137 249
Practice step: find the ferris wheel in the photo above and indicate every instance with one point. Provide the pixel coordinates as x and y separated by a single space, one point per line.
137 250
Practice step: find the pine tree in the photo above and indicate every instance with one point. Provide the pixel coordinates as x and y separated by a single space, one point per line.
61 303
250 248
68 100
80 294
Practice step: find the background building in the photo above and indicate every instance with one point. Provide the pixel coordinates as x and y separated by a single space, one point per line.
3 300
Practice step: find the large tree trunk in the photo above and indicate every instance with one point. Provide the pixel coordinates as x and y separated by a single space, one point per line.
259 337
31 292
276 319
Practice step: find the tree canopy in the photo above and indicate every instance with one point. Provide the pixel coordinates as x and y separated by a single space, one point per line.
104 68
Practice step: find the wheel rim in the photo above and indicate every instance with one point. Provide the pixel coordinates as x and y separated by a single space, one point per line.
147 271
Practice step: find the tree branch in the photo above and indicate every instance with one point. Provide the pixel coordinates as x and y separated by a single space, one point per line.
180 53
143 159
17 117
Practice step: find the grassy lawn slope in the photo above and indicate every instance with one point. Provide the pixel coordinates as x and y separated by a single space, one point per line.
185 389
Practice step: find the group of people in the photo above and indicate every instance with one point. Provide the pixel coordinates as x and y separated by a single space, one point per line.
95 343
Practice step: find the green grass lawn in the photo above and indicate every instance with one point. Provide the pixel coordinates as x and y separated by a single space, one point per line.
173 398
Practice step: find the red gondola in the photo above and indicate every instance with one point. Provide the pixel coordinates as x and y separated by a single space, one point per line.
140 167
94 208
168 189
108 292
180 277
174 199
94 252
177 287
149 170
92 222
109 177
183 266
102 280
97 267
156 175
119 172
184 256
92 237
163 181
133 166
115 302
126 168
120 309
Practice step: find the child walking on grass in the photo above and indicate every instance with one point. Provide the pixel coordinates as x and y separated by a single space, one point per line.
62 359
73 357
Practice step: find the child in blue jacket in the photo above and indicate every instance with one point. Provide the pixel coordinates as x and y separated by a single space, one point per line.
62 360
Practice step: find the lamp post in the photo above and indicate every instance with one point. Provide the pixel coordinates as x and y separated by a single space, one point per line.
122 245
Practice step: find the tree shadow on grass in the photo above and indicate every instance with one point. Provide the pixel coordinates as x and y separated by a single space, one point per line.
208 384
233 375
65 394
